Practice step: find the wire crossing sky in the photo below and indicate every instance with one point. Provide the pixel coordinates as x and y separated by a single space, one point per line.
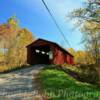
60 30
33 15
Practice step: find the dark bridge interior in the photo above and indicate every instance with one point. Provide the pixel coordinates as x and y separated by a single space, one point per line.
40 54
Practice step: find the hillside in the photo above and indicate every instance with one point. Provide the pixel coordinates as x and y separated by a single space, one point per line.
58 85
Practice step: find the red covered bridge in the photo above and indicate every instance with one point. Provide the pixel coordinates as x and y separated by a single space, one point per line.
46 52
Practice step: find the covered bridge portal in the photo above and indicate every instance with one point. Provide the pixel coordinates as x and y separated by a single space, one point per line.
46 52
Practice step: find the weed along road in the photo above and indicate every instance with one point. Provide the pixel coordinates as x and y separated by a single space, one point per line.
20 84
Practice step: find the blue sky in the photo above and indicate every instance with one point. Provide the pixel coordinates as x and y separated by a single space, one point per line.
33 15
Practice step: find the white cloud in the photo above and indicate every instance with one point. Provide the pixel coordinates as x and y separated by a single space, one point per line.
63 6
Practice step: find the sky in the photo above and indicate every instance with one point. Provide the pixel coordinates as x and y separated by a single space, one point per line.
33 16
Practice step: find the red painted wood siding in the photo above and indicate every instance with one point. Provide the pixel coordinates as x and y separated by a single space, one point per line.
59 57
69 59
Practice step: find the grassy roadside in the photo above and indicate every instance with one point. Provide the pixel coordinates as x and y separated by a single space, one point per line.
60 86
6 69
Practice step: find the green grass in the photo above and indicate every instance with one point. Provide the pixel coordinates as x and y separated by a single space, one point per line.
60 86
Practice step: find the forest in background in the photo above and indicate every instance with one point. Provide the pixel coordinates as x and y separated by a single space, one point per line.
13 42
87 19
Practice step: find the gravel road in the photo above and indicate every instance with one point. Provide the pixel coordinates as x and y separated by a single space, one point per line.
20 84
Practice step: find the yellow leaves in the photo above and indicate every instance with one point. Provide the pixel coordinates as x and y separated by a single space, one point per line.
91 25
18 50
81 57
98 11
16 39
72 51
25 37
13 21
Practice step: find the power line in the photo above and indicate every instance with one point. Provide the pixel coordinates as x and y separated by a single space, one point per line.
53 18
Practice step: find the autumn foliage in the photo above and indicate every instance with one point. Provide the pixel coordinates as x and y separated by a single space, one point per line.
13 40
82 57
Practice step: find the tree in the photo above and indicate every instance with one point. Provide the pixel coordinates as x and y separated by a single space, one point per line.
72 51
1 56
81 57
16 41
88 19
